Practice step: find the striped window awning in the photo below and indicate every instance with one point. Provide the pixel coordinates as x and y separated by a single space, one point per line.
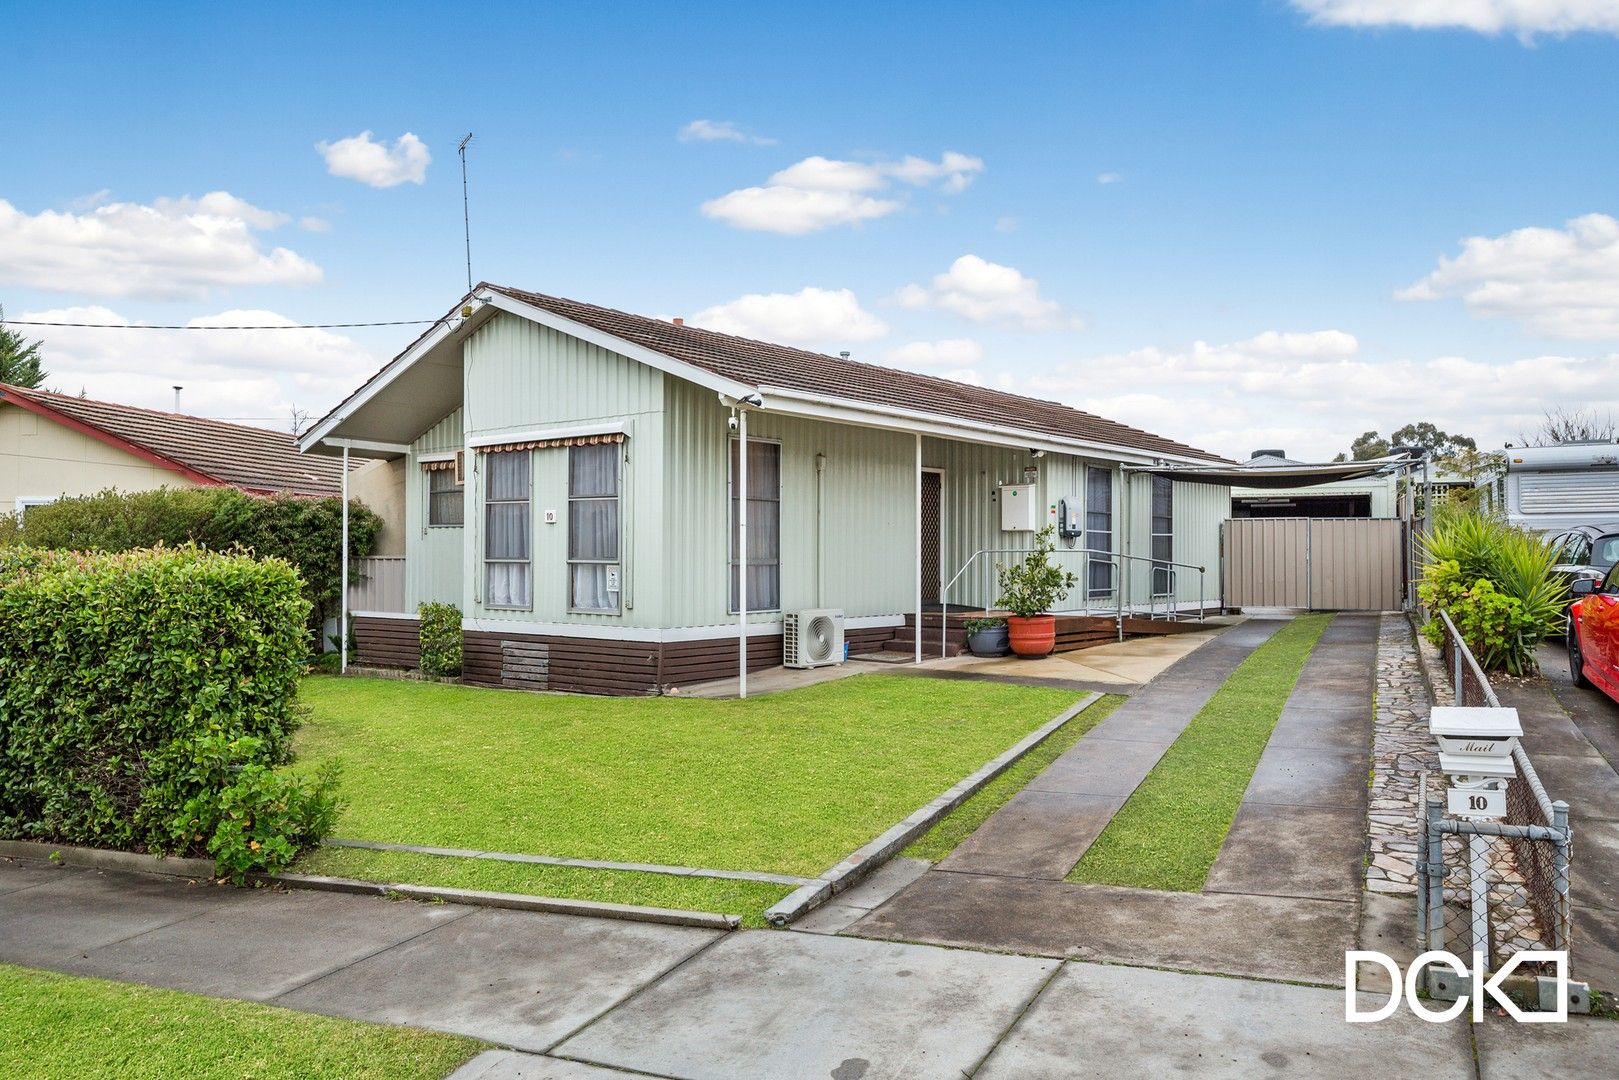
446 465
541 444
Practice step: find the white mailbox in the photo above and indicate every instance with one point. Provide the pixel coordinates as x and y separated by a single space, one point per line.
1020 512
1475 732
1475 751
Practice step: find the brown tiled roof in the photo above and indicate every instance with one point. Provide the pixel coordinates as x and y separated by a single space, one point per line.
250 458
759 363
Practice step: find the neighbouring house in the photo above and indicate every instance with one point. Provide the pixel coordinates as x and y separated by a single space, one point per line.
1372 495
572 479
55 445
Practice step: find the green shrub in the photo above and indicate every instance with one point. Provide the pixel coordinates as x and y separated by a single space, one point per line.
1496 582
440 638
145 697
1032 586
305 532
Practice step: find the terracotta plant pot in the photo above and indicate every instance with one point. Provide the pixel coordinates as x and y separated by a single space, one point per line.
1033 636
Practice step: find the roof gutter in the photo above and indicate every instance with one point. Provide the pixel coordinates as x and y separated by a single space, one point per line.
844 410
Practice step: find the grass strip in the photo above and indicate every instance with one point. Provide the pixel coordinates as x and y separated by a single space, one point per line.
964 820
723 896
63 1025
1168 833
788 783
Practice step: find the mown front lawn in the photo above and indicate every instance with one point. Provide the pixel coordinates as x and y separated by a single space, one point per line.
787 783
54 1026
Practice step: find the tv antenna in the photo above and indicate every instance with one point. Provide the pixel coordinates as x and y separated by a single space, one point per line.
466 221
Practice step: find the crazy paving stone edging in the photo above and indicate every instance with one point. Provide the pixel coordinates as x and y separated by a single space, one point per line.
1402 751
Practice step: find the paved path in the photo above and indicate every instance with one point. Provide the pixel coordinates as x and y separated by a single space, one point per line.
1282 899
576 998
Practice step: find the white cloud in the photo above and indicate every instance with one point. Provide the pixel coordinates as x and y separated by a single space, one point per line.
253 374
810 316
819 193
1109 177
947 353
1522 17
360 158
310 223
1312 393
983 291
1007 224
721 131
172 248
1562 283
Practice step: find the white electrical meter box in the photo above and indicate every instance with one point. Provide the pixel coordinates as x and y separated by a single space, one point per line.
1020 512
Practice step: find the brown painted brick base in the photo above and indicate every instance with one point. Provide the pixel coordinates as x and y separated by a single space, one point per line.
388 642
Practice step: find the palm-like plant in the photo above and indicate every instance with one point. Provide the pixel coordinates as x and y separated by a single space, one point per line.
1518 563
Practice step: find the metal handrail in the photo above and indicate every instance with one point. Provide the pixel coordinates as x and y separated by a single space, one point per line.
1121 589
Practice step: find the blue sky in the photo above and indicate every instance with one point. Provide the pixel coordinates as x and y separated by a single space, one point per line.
1277 222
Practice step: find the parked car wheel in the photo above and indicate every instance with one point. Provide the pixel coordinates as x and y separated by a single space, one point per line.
1576 659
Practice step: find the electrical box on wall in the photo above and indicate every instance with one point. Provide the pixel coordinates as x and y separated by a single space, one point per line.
1070 522
1020 511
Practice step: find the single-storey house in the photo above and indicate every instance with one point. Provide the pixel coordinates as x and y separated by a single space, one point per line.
55 445
573 479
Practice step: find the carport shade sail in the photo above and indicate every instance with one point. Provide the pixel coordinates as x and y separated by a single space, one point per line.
1284 476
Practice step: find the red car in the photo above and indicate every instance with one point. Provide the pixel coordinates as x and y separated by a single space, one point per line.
1593 633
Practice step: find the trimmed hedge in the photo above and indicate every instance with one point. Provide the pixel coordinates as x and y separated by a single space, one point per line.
305 532
146 700
440 639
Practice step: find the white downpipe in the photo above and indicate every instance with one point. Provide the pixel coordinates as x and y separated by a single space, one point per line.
742 552
918 635
343 585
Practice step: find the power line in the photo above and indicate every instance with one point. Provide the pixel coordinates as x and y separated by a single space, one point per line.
154 326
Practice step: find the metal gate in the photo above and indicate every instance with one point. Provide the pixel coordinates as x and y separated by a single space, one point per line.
1321 564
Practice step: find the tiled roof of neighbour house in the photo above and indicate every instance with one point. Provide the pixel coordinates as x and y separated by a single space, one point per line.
760 363
250 458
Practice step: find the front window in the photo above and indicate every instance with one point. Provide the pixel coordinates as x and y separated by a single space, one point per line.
446 501
509 527
593 539
1163 535
1099 529
764 526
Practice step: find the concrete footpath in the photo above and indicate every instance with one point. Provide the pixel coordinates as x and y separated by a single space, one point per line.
574 998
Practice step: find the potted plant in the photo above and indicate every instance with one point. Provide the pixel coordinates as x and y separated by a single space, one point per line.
1028 589
987 637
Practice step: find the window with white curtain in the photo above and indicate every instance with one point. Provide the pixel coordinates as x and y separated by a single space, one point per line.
508 535
446 503
764 525
593 536
1163 535
1099 530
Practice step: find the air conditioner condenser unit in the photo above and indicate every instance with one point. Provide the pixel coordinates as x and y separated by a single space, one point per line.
813 638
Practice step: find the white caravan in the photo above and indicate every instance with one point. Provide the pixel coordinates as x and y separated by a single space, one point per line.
1556 487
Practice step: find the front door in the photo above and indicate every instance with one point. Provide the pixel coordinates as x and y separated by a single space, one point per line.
932 552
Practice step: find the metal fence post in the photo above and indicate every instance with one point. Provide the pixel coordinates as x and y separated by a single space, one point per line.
1422 864
1560 860
1436 877
1456 655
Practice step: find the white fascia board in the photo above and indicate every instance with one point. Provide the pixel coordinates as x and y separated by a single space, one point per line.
396 367
438 455
822 406
571 431
612 343
367 444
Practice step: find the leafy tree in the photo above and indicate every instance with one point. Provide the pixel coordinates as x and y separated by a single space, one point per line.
1562 425
19 359
1437 443
1369 445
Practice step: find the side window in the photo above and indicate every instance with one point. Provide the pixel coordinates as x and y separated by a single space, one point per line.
1099 530
1163 535
764 525
1606 552
1578 551
446 501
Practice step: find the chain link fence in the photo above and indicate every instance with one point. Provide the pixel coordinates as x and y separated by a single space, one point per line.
1495 887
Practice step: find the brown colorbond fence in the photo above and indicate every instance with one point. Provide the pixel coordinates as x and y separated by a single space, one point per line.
1320 564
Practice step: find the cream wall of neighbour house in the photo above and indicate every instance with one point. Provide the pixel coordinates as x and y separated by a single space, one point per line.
41 459
380 485
848 498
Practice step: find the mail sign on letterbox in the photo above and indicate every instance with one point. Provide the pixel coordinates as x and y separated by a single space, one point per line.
1475 732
